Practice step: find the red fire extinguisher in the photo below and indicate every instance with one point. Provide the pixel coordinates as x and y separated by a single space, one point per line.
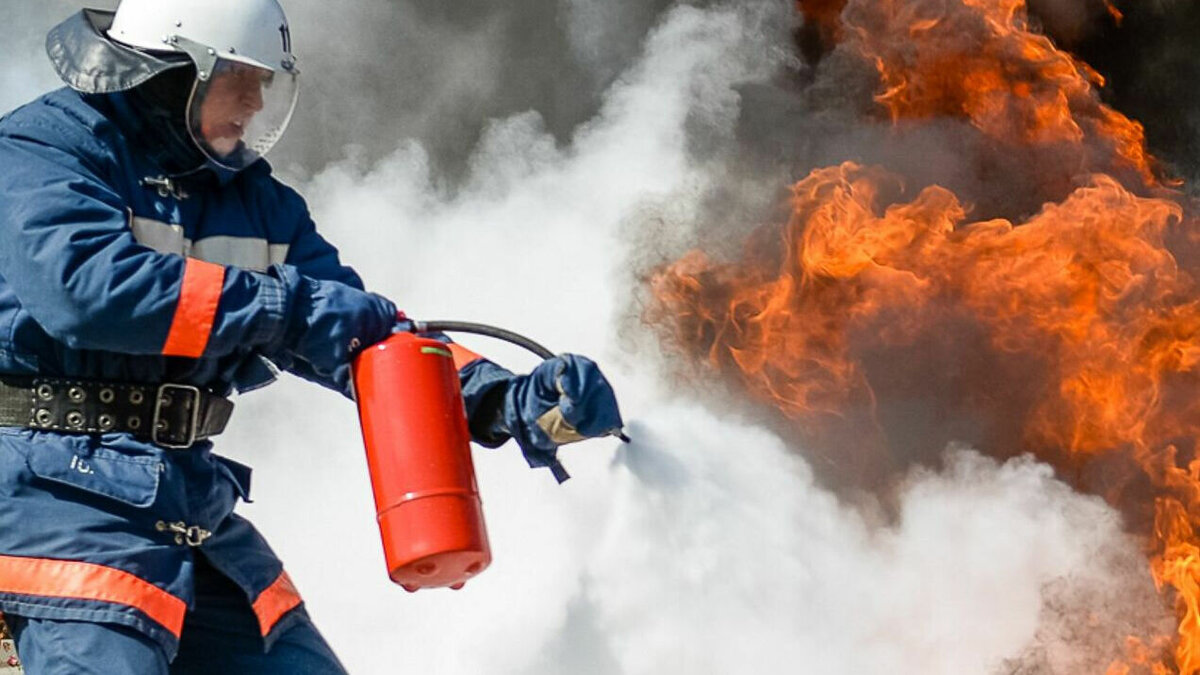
418 452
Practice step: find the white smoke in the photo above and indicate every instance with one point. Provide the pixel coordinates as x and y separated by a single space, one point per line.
704 546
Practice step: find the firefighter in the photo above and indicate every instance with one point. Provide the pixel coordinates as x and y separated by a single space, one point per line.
150 265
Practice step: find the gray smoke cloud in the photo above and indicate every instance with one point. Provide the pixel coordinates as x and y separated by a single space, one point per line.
511 165
435 71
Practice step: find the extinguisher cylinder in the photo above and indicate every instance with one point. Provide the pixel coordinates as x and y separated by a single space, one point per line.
419 456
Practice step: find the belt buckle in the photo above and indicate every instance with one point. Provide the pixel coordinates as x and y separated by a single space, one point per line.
194 424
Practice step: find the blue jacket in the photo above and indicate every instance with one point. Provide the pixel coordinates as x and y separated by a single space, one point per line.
107 274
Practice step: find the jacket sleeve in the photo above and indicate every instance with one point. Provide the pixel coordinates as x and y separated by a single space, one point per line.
67 251
316 258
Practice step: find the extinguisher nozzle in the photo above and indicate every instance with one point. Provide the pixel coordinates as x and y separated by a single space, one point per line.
620 433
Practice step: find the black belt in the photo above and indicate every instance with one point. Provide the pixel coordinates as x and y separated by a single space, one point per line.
170 415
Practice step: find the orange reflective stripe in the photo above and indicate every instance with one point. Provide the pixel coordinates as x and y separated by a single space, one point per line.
279 598
86 581
197 308
462 356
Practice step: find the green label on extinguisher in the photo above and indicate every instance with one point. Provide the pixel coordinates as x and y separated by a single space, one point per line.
436 350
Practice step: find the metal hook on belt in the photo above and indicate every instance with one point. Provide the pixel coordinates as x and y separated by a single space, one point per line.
193 535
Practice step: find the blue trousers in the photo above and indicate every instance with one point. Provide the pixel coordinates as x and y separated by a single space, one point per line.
220 635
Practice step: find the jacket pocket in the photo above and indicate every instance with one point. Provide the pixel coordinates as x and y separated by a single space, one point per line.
131 480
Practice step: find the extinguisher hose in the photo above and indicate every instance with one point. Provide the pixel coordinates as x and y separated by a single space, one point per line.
483 329
499 334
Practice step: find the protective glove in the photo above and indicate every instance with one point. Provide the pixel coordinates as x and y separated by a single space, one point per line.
565 399
327 324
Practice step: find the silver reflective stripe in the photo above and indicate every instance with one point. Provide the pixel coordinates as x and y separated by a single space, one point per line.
277 253
251 253
159 236
245 252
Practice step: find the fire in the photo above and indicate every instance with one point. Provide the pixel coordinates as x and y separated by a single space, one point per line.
1085 323
978 60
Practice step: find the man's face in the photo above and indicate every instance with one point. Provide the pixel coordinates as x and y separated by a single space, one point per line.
234 96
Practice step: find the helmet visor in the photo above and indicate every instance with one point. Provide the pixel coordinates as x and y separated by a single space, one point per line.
238 114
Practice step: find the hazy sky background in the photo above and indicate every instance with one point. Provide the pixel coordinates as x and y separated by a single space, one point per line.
497 162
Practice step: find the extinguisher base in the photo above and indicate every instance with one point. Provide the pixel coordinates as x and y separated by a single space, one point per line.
435 542
443 570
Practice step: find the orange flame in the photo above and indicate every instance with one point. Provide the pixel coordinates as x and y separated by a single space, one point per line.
1117 16
1089 326
978 60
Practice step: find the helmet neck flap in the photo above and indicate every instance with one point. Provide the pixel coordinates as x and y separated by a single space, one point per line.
91 63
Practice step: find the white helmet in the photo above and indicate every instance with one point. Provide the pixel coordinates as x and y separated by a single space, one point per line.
246 76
